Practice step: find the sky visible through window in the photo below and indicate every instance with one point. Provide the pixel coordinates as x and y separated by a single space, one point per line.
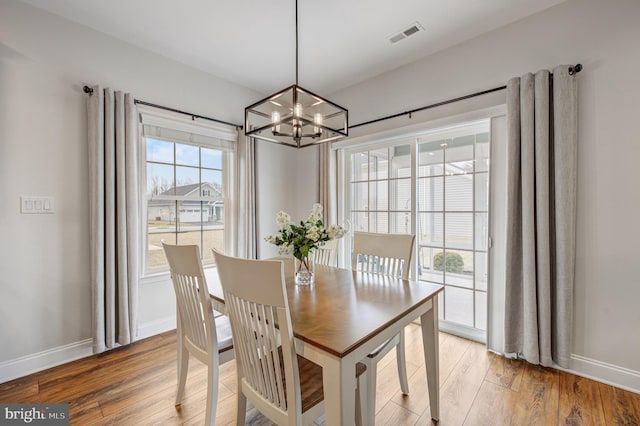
188 158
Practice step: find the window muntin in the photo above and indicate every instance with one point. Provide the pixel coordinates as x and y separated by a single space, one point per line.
450 211
453 194
185 199
380 186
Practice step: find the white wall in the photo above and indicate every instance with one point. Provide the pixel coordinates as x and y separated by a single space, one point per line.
286 179
604 37
44 272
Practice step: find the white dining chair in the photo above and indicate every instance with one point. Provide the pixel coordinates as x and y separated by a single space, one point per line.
207 338
283 386
327 254
384 254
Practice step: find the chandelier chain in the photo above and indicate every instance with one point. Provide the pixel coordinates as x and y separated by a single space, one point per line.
296 42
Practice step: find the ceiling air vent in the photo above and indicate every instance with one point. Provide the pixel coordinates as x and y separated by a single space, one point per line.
409 31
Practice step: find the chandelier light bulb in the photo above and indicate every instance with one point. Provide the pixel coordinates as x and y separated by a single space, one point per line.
317 119
297 110
275 120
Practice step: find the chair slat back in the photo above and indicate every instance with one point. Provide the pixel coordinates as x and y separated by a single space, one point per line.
327 254
385 254
256 300
192 295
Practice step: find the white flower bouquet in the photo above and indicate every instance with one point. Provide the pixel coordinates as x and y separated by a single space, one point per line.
301 239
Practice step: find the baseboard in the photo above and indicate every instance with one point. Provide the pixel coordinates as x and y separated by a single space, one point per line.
29 364
463 331
151 328
613 375
33 363
599 371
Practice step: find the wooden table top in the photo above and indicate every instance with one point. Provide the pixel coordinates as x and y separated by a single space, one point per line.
343 308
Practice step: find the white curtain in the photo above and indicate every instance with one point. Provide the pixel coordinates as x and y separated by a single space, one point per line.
541 216
114 221
246 211
327 184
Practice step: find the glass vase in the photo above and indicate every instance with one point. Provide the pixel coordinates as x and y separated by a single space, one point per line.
304 269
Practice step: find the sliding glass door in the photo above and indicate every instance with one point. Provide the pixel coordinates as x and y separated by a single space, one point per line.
453 207
435 185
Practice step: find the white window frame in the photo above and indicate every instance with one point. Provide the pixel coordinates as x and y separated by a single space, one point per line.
398 136
345 187
177 128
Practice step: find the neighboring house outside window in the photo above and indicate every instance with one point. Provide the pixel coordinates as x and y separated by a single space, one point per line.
188 195
190 209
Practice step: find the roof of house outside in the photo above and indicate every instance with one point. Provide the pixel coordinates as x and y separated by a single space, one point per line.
187 191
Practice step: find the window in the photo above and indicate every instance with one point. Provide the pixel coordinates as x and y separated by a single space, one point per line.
188 177
453 207
435 185
381 190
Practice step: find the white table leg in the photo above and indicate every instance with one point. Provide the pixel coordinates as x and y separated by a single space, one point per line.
429 323
364 400
339 381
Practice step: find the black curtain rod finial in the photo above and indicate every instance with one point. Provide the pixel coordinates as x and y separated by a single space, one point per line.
575 69
87 89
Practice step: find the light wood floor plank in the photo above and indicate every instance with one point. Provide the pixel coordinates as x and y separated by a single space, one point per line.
620 407
537 403
21 390
459 390
418 399
388 383
451 352
580 402
136 385
506 372
492 406
394 415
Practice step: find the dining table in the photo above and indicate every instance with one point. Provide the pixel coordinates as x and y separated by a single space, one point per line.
343 316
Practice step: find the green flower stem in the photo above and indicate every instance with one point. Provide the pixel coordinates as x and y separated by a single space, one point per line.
304 261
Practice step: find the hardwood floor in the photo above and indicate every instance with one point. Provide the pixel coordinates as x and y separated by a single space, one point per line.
136 385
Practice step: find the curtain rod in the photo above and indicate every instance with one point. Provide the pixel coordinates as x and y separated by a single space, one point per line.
574 69
89 91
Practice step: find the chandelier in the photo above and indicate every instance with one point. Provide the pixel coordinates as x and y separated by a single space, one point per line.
295 116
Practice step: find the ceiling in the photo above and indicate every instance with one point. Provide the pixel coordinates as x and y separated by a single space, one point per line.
252 42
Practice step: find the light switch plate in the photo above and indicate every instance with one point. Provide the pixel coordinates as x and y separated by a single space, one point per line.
36 205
